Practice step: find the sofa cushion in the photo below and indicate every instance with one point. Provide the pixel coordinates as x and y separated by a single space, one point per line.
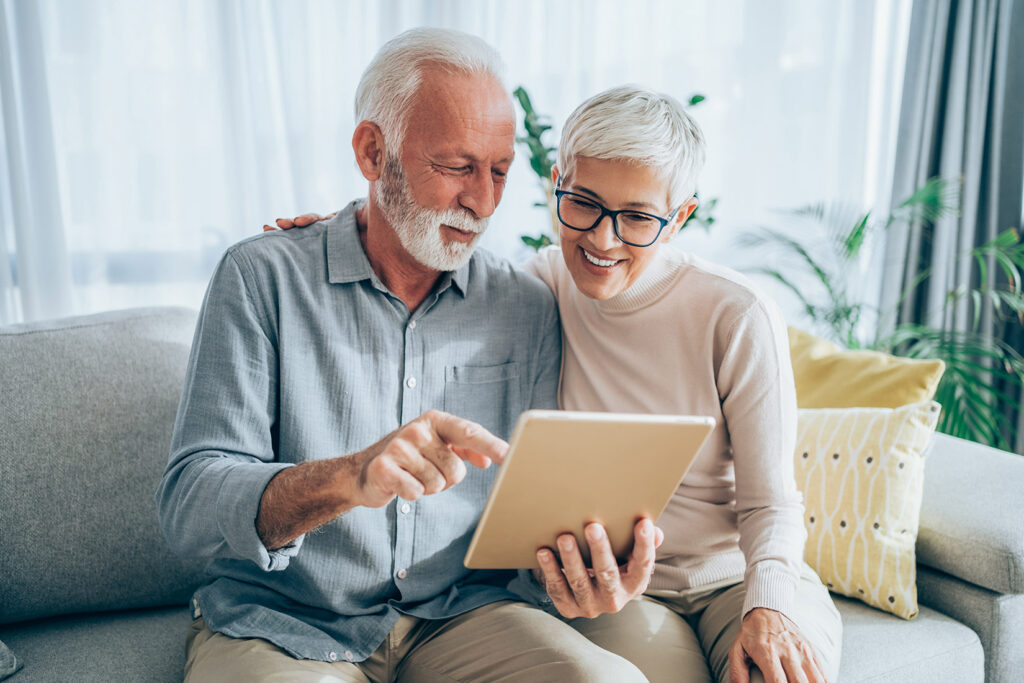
828 376
85 429
972 517
881 648
996 618
146 645
861 471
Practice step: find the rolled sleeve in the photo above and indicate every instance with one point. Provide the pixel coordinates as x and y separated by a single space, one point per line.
223 445
238 504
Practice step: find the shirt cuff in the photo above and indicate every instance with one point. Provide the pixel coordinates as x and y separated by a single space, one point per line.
238 504
769 586
526 587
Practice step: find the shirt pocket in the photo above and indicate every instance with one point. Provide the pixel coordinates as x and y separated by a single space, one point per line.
485 394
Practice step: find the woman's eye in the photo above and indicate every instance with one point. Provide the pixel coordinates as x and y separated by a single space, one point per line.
638 218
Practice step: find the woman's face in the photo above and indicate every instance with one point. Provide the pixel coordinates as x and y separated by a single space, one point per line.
602 265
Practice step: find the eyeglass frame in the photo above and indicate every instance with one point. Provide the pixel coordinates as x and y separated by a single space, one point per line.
605 211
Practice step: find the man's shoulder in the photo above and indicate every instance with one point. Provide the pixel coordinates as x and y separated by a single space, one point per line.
499 275
280 244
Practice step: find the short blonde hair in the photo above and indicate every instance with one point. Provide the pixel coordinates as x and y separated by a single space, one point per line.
631 123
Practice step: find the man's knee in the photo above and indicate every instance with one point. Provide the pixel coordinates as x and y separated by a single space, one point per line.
602 667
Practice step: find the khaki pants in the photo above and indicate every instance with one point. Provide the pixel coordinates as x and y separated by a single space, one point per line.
506 641
685 636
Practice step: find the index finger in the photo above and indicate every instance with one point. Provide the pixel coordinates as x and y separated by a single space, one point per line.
465 434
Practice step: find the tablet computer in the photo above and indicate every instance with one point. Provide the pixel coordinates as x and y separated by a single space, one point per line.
566 469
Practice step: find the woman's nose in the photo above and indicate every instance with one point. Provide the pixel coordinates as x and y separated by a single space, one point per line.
603 236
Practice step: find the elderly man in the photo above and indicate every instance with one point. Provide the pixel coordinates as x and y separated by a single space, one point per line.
341 377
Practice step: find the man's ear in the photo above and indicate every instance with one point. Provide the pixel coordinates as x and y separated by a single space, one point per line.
368 144
554 175
688 207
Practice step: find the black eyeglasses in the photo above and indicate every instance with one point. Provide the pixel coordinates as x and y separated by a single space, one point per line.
635 228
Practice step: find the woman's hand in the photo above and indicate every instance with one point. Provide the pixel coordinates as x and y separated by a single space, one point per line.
770 640
299 221
577 591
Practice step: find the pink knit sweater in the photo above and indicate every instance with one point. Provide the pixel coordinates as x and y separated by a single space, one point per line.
690 337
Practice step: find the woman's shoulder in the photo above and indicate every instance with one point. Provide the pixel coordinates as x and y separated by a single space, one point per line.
547 264
726 291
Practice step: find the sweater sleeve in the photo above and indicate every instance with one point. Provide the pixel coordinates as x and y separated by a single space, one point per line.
755 384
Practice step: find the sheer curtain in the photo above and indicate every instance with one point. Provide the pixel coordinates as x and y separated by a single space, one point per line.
141 139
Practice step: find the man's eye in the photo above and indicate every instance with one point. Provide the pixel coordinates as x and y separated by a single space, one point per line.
583 204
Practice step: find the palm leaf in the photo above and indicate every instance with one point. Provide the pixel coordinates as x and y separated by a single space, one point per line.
936 199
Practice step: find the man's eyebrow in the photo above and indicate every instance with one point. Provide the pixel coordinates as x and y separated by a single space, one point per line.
628 205
472 158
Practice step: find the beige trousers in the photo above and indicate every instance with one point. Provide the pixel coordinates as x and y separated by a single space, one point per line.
503 641
685 636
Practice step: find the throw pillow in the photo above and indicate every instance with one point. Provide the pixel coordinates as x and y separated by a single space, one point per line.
830 377
861 471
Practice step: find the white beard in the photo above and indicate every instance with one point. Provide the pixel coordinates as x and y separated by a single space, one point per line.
419 228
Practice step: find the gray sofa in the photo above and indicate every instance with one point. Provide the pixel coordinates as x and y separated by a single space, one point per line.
90 592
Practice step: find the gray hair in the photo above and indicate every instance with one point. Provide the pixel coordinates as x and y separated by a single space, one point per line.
387 87
634 124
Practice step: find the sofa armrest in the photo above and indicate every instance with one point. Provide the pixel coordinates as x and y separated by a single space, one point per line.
972 515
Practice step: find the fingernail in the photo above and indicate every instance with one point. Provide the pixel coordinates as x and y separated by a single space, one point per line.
544 556
565 542
645 528
595 532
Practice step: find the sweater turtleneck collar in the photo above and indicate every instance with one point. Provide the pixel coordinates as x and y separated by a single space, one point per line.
656 279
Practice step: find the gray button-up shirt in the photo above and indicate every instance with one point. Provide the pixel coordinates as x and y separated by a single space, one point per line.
301 353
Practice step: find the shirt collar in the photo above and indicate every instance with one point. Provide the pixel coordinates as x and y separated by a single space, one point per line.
347 261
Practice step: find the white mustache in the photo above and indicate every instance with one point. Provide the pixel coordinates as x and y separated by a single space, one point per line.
460 220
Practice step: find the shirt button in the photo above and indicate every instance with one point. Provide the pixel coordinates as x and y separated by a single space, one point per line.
405 508
412 325
333 656
411 382
402 573
349 656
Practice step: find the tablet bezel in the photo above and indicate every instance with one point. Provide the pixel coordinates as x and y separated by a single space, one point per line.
566 469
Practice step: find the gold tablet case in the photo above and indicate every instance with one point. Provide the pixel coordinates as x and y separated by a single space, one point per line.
567 469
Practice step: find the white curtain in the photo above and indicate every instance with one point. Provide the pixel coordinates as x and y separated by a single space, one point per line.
140 139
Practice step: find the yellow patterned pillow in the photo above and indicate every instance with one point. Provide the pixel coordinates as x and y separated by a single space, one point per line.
861 471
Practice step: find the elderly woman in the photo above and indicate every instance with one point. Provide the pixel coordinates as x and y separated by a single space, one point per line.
651 329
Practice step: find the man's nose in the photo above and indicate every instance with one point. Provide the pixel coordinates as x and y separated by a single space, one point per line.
479 196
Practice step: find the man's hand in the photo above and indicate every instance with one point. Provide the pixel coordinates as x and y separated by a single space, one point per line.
773 642
607 587
423 457
299 221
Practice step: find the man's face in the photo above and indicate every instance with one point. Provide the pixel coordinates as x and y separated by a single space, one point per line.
458 146
418 228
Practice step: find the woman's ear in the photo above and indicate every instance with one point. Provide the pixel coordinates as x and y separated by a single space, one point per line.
684 212
368 144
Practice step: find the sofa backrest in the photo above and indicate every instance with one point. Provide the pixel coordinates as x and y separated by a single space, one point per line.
87 405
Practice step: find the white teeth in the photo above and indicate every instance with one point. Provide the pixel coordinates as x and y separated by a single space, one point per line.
598 262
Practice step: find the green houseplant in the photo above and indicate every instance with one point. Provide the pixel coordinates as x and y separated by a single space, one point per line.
536 129
983 373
